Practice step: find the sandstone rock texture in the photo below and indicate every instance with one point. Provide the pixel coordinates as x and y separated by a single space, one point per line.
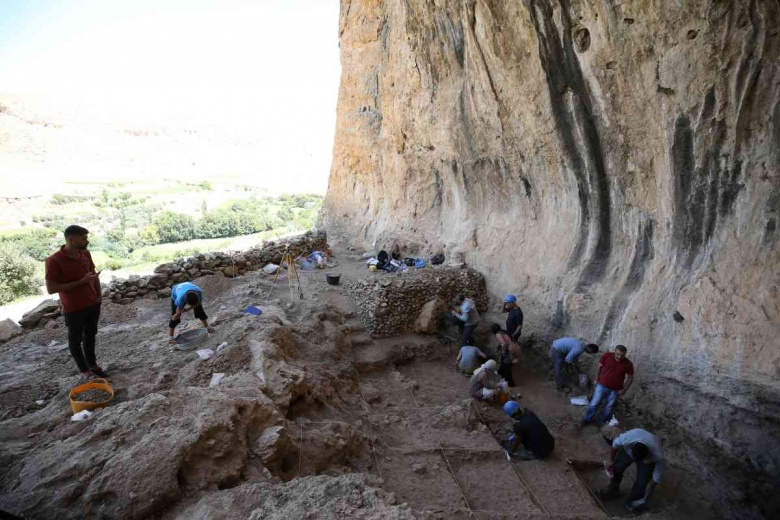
615 164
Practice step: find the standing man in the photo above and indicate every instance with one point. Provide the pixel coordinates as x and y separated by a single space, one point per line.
514 318
641 447
467 318
529 431
185 297
568 350
614 377
71 273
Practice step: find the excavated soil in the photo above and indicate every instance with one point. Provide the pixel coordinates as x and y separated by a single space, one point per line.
92 396
312 419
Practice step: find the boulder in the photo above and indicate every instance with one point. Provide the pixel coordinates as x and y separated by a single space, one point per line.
428 320
163 269
8 330
45 308
272 445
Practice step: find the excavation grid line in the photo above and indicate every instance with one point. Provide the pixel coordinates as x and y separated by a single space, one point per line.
587 487
366 411
300 447
449 466
517 471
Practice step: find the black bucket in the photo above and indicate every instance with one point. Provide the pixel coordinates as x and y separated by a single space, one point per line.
333 279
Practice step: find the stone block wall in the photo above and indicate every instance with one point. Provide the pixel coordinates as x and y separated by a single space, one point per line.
390 303
226 264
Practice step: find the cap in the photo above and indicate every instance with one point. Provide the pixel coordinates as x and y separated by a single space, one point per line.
511 407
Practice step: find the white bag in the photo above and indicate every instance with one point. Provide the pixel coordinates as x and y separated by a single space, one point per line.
205 353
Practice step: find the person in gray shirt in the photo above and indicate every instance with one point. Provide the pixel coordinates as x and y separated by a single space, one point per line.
469 357
566 352
468 317
638 447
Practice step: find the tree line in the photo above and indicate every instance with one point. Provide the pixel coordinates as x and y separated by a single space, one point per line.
125 223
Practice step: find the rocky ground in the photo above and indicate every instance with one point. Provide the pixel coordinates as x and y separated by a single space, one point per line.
313 419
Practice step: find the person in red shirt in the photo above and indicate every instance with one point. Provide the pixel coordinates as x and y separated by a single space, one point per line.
71 273
615 375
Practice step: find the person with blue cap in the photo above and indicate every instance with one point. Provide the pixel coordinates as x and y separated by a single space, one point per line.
530 432
514 317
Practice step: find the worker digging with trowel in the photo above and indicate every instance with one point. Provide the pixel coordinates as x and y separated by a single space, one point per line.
530 432
486 384
186 297
638 447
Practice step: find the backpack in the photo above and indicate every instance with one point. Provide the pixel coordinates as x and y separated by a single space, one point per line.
382 257
437 259
409 262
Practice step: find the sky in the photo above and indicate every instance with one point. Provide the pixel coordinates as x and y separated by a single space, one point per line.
266 68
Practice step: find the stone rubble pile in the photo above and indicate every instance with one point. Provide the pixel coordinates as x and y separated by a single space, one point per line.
43 313
397 303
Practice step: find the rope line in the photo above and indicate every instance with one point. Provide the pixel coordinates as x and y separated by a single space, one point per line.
449 466
514 468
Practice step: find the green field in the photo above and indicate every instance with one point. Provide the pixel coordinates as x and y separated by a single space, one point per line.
132 232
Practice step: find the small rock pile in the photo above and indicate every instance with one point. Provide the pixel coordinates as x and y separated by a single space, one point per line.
226 264
390 304
45 312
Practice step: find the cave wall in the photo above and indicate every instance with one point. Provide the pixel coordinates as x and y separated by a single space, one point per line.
612 163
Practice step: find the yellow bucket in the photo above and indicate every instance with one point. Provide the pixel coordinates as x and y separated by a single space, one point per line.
95 384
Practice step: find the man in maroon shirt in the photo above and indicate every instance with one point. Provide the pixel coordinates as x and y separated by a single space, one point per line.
615 375
71 273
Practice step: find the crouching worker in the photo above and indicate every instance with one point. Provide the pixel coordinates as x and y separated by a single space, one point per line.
486 384
185 297
530 432
641 447
567 352
469 357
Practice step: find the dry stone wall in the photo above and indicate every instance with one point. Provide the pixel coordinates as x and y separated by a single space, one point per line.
226 264
391 303
184 269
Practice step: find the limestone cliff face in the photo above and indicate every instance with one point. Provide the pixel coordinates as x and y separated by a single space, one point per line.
610 162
